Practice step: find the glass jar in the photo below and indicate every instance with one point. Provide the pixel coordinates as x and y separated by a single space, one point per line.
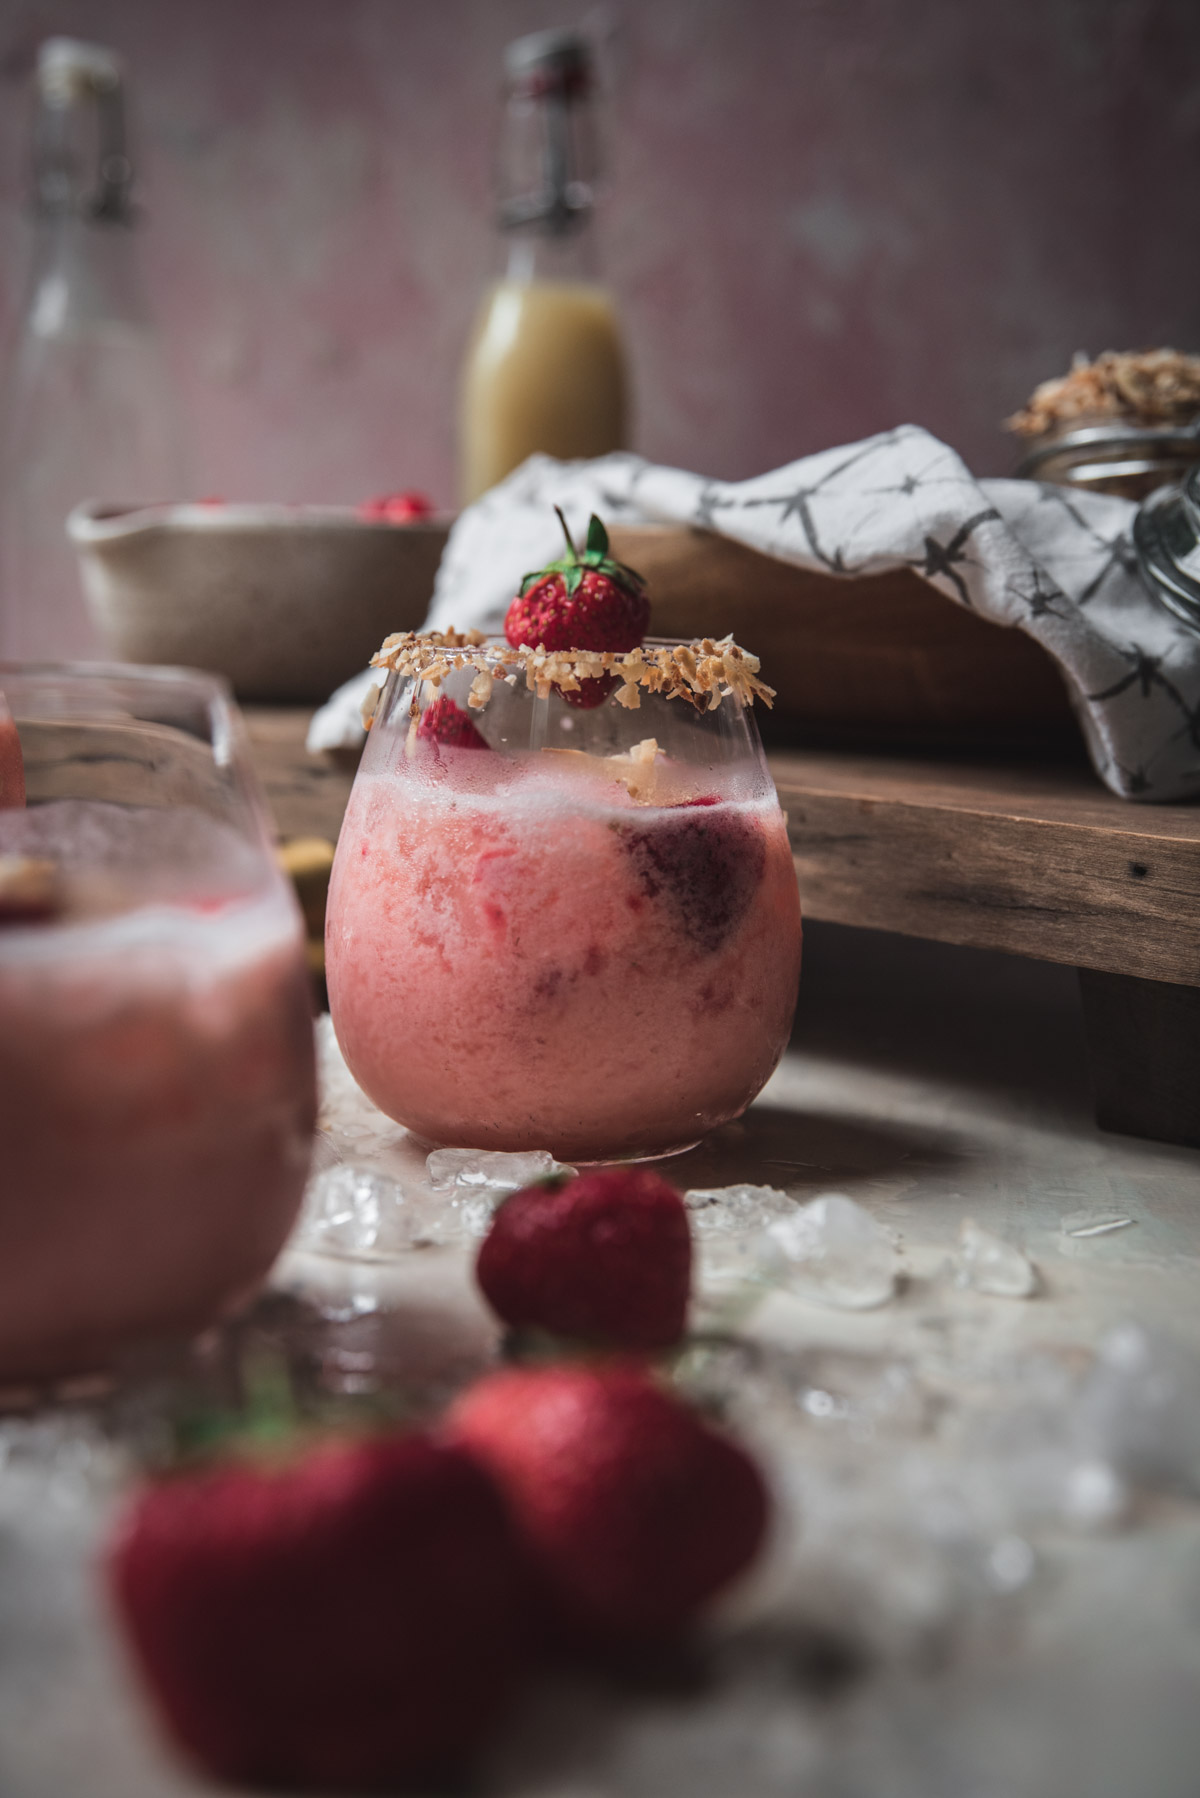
1121 457
1166 540
156 1056
561 926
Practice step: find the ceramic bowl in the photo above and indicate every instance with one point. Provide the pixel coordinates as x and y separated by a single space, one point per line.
285 601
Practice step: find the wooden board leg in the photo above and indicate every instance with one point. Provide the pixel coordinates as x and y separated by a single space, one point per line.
1144 1048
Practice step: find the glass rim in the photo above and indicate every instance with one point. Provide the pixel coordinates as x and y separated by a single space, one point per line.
211 690
162 674
228 741
703 672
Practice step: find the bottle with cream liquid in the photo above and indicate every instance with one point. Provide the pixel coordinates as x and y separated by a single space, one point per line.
545 369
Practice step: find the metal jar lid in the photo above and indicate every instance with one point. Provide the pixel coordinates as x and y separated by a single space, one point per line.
1166 536
1118 457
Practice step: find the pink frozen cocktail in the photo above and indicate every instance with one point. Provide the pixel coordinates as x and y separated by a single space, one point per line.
156 1081
530 946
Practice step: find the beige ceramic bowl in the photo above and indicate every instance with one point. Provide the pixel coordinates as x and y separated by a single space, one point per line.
285 601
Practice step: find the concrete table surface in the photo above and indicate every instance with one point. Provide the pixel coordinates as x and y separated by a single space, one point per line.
925 1623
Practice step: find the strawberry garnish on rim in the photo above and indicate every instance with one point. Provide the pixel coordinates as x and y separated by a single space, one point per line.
585 600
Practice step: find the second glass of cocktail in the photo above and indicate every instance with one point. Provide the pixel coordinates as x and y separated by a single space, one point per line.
156 1055
557 926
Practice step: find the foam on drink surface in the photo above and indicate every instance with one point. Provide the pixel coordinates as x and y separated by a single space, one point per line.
173 892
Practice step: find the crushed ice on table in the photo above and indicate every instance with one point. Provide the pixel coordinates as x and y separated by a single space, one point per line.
490 1169
986 1263
1140 1407
835 1252
969 1527
921 1499
730 1210
1095 1223
735 1259
946 1611
364 1212
349 1126
831 1249
359 1211
373 1193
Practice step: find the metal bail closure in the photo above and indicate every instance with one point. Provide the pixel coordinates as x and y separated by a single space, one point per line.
1166 537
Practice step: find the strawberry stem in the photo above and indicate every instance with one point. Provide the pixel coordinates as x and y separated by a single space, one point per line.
567 535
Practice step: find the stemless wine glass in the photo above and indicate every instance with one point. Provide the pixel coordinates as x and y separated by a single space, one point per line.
156 1062
562 926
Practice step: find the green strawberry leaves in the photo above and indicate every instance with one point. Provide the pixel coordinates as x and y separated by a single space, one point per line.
595 558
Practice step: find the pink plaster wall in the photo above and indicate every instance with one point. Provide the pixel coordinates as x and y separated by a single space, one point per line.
826 215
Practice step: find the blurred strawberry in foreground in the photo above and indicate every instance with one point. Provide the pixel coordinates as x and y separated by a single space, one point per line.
351 1620
584 601
408 507
634 1511
604 1258
444 722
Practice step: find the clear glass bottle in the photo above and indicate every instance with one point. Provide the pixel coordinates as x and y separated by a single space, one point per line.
89 411
545 369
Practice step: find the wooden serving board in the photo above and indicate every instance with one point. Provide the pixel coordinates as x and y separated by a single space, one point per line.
1037 860
881 660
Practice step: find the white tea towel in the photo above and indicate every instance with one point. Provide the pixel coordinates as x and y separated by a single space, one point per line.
1054 562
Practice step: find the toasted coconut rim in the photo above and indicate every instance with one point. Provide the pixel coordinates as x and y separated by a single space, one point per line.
703 673
1153 387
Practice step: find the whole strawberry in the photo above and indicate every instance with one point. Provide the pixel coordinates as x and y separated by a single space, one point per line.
633 1510
349 1621
586 601
444 722
605 1258
408 507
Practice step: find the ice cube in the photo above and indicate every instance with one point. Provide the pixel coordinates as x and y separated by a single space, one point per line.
365 1213
325 1153
836 1253
987 1263
726 1260
1095 1494
345 1210
732 1209
490 1169
1009 1564
1094 1223
735 1258
1139 1408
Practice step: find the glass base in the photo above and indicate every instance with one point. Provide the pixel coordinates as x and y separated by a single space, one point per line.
682 1148
427 1146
